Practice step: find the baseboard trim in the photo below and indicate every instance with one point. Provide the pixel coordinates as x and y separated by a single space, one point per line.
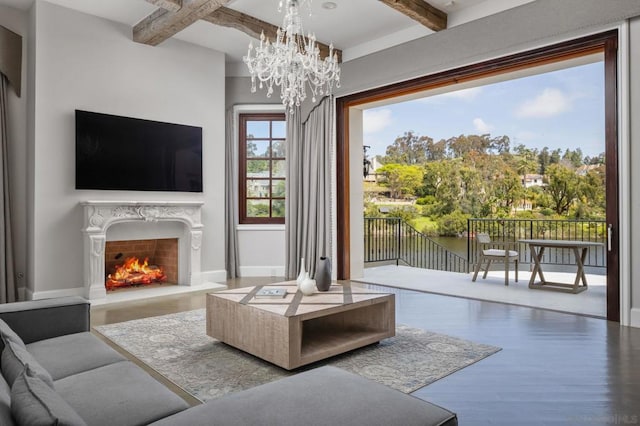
51 294
635 317
216 276
262 271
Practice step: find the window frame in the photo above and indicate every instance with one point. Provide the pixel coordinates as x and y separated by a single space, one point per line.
243 119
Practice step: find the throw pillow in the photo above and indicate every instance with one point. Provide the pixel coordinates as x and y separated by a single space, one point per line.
35 403
15 358
8 335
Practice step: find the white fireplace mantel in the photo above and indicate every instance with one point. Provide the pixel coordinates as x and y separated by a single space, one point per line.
100 215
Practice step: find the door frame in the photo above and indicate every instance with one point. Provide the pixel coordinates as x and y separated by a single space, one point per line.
604 42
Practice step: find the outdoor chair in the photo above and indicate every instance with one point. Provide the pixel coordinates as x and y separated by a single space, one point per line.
493 251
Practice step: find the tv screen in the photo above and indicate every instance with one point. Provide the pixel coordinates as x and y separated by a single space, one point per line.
130 154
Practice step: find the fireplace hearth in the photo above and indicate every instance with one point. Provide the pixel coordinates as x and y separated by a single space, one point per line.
136 263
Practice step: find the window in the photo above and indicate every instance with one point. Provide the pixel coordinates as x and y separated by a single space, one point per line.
262 168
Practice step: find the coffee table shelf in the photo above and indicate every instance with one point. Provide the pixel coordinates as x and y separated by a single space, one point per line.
298 330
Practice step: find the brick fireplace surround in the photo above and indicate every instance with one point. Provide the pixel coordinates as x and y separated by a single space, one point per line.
100 216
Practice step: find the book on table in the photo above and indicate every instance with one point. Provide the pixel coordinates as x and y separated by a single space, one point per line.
271 293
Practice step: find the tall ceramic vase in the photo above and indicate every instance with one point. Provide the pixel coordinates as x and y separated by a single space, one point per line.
323 274
303 274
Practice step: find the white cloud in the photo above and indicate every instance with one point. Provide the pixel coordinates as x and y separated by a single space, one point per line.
481 126
547 104
375 120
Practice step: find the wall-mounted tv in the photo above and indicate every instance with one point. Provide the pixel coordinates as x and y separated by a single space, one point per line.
130 154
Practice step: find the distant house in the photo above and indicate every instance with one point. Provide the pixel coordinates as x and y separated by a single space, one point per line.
530 180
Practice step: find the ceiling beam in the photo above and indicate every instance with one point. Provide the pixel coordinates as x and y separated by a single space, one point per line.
163 24
421 11
254 27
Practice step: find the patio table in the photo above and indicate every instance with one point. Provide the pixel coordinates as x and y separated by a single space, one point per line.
579 249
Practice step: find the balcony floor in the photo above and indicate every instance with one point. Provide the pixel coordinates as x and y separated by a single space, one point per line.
592 302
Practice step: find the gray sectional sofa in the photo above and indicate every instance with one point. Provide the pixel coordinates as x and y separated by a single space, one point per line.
55 372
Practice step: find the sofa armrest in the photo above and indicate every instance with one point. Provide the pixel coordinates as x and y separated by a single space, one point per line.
36 320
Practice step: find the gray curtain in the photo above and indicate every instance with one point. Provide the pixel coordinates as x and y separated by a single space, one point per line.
8 289
308 198
231 201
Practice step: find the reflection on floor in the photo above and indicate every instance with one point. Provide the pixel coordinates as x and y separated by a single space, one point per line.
592 302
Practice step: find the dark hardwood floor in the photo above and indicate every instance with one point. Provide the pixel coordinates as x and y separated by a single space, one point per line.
553 368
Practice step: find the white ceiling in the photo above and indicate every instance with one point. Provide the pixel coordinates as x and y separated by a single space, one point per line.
358 27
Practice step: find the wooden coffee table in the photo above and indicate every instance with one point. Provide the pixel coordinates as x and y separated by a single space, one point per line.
297 330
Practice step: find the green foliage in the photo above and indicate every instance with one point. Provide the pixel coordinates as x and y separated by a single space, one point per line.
409 149
401 179
563 187
371 210
452 224
406 213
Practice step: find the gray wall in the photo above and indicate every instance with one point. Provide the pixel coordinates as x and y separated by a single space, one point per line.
83 62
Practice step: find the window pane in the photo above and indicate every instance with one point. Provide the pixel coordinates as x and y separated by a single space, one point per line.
278 149
277 208
279 168
277 188
258 148
257 208
258 188
258 168
257 129
279 129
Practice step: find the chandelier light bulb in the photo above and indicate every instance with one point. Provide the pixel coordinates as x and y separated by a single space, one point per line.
292 62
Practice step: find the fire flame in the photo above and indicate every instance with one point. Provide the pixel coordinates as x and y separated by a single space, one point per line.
132 272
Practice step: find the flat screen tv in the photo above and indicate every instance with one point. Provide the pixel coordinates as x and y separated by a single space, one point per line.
130 154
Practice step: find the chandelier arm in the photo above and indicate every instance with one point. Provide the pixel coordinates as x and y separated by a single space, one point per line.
292 61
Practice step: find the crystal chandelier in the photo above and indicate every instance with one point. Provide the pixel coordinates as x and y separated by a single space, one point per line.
292 62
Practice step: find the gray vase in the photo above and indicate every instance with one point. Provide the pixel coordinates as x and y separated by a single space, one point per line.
323 274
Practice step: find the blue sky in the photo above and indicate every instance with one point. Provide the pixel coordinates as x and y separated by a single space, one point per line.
560 109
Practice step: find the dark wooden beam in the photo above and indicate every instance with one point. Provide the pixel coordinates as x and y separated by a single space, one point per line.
253 27
163 24
421 11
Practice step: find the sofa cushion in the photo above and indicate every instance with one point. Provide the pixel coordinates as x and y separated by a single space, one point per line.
71 354
7 334
14 360
34 403
323 396
118 394
5 403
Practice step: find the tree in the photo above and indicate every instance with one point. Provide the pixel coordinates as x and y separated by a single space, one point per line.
436 150
409 149
507 189
401 179
563 186
544 159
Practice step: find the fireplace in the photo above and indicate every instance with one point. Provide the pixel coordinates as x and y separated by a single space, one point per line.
117 230
138 263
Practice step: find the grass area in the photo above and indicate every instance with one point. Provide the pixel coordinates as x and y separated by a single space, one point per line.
424 224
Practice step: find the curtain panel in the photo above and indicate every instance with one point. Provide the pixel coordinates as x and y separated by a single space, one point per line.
231 201
8 289
308 190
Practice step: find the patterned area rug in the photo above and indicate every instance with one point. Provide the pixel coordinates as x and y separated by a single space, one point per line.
177 347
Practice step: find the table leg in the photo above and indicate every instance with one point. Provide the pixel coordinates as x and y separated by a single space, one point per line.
537 269
580 276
